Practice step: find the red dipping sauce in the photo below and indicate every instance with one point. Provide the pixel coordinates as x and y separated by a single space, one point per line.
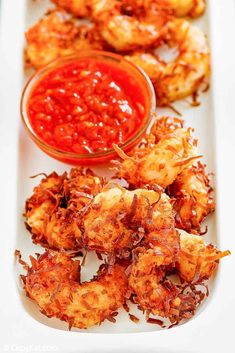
85 105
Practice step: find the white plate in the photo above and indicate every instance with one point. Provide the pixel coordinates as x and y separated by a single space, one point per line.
23 328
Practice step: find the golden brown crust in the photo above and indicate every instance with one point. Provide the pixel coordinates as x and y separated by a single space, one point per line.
118 219
197 260
187 73
53 212
193 197
56 35
53 281
158 163
151 289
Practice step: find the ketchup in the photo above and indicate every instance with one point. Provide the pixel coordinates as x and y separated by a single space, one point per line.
86 105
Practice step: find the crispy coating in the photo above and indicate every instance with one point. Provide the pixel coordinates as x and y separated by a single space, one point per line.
183 76
124 33
194 261
151 289
197 260
117 219
53 211
126 26
56 35
160 163
191 190
53 281
122 23
193 198
147 281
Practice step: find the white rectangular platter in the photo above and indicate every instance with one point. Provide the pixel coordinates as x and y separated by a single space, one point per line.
22 327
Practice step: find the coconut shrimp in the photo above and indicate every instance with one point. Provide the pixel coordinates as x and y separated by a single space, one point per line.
184 75
52 212
191 190
193 198
58 34
164 250
151 289
160 163
125 31
53 282
117 219
197 260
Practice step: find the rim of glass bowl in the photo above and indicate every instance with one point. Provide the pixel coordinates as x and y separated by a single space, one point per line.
66 59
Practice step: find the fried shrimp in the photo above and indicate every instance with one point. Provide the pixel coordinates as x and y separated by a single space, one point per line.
125 33
193 198
127 28
52 212
197 261
184 75
123 25
117 219
194 262
191 190
151 289
58 34
160 163
148 284
53 282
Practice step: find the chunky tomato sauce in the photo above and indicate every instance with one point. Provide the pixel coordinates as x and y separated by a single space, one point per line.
85 106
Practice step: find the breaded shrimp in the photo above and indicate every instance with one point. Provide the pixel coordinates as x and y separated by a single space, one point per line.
151 289
194 261
42 204
126 27
191 190
58 34
124 33
193 198
117 219
53 282
183 76
197 261
52 212
147 281
160 163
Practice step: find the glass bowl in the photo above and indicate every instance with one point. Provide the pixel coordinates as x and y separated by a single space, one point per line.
96 157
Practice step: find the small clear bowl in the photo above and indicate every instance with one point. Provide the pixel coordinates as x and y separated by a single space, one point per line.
96 157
